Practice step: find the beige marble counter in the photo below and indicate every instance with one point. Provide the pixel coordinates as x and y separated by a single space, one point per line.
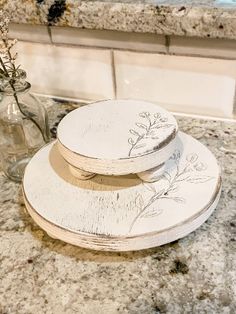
206 18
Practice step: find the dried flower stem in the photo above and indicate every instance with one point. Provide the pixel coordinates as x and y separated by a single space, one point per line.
12 72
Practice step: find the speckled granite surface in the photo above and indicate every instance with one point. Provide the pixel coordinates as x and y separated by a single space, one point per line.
206 18
194 275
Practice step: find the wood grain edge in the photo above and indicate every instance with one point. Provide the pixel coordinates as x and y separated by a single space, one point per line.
118 166
127 243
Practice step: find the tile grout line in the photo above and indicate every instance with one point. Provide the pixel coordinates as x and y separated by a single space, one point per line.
167 44
113 69
201 116
234 102
49 33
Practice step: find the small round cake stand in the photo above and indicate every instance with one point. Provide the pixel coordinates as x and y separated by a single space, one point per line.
117 137
123 213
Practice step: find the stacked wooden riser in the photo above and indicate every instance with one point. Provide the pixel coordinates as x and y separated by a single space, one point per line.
92 186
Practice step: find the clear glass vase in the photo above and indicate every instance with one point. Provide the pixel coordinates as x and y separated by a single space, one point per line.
23 126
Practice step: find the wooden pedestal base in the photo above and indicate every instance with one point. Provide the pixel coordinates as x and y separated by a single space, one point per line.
81 174
151 175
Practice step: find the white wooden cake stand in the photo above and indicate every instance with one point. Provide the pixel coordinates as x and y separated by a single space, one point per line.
117 137
122 213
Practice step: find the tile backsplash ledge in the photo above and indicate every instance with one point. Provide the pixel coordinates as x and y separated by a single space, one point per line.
131 41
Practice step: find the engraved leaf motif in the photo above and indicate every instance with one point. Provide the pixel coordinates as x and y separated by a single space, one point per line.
179 200
157 115
139 146
183 173
200 166
174 189
131 141
134 132
152 132
192 158
141 125
176 155
144 114
167 176
139 202
151 213
150 187
158 194
199 179
183 178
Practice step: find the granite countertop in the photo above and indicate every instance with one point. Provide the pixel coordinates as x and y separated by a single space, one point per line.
196 274
205 18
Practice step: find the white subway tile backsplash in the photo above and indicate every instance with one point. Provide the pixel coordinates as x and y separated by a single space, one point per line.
67 71
108 39
32 33
181 84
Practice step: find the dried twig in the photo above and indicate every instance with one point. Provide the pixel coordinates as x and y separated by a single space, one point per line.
10 74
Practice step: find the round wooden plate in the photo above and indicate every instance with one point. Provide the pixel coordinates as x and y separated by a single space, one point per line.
117 137
123 213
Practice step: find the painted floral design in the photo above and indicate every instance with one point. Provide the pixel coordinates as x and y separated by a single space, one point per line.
147 129
192 172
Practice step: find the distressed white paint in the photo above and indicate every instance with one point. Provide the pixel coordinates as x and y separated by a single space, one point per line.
153 174
104 212
117 137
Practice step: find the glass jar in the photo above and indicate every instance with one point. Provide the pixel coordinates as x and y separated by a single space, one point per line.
23 126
